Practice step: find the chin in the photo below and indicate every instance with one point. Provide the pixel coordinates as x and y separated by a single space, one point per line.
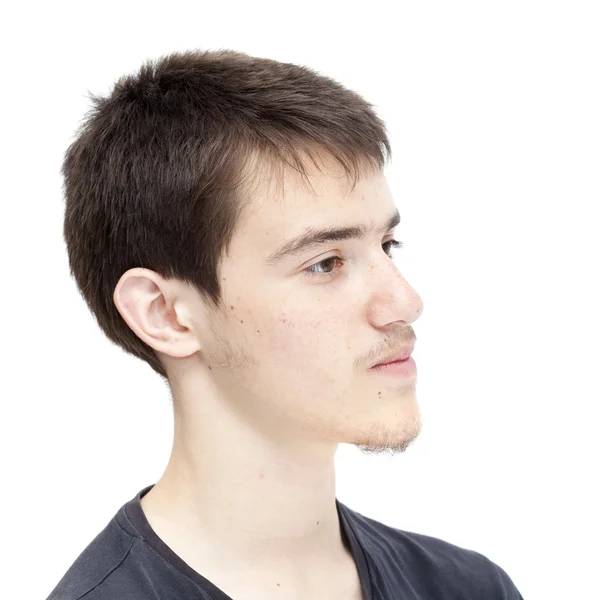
393 434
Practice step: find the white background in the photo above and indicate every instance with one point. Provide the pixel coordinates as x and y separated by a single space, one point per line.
493 113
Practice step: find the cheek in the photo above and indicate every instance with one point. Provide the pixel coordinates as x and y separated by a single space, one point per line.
320 343
292 337
272 336
280 335
289 335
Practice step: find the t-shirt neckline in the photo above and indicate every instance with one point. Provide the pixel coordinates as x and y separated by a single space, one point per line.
136 516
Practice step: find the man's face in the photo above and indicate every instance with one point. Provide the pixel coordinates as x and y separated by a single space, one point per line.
292 349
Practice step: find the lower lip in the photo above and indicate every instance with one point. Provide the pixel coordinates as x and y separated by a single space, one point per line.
399 368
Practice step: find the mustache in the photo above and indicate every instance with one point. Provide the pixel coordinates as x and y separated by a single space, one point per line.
406 337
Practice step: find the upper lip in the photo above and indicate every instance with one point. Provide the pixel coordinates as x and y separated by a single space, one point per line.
401 353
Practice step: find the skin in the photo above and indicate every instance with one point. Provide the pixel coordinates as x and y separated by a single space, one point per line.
266 388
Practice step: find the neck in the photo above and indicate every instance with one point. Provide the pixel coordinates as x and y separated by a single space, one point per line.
258 502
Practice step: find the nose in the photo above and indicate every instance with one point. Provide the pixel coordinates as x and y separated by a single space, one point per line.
392 298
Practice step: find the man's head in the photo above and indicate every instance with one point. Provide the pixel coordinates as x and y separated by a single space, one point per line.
184 190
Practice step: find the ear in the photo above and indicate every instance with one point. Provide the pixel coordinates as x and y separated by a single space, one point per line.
155 312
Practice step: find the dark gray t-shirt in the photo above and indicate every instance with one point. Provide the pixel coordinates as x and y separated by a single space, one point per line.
128 561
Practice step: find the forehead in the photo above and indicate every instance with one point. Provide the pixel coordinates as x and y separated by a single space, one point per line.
285 211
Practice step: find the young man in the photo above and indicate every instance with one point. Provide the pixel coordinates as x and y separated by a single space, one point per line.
228 222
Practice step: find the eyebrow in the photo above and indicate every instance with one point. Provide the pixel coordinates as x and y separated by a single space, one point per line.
315 237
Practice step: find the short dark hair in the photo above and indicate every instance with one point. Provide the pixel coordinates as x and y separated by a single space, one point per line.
158 173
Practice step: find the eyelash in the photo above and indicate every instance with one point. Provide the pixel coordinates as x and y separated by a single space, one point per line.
311 272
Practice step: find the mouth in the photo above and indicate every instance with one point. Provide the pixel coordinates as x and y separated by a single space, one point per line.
401 354
400 368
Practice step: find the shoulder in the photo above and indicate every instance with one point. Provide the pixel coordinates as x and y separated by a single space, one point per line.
102 556
436 567
119 563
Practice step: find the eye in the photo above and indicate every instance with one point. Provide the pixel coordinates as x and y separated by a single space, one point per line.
315 269
393 244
